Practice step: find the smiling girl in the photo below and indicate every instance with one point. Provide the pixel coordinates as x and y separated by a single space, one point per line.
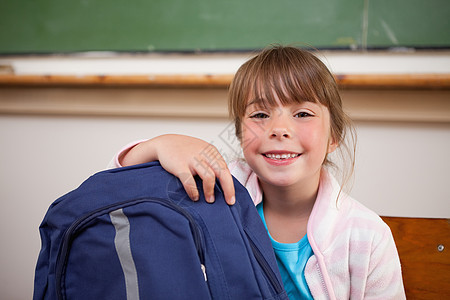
288 117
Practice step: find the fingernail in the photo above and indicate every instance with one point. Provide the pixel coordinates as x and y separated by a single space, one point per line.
210 199
232 200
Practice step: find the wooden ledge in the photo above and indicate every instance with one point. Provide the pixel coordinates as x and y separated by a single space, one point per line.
219 81
410 81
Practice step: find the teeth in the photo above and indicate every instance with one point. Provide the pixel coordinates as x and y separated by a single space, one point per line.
281 156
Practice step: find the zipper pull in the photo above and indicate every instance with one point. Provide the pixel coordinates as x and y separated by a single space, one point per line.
202 266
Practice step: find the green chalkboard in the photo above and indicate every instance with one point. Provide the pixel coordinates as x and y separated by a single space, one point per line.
59 26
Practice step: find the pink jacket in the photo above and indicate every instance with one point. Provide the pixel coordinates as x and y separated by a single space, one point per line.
355 256
354 252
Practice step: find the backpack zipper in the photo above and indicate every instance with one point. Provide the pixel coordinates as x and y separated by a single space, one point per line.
265 266
80 222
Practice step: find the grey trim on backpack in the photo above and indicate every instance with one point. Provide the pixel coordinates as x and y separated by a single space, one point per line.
123 249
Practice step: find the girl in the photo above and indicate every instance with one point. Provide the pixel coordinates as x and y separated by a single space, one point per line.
288 117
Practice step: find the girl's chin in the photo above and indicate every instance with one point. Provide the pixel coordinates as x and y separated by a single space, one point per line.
281 181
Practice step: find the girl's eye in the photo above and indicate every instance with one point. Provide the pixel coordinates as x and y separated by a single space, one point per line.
303 114
259 116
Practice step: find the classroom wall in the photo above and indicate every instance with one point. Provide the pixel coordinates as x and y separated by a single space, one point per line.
402 165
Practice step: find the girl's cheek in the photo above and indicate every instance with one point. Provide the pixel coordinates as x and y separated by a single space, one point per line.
251 131
246 140
248 135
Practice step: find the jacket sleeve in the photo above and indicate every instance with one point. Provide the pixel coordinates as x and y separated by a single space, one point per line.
384 279
114 163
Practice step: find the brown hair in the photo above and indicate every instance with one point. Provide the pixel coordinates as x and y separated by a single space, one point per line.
292 75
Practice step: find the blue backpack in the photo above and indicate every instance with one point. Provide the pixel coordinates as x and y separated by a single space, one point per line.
133 233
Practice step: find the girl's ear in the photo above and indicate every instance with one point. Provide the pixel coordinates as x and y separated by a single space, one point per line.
332 145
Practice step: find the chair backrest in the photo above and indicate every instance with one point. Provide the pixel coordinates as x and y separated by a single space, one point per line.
424 248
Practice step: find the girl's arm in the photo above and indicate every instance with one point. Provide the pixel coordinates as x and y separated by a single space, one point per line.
384 279
185 157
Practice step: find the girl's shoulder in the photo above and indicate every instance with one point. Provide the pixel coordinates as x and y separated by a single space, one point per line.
364 224
365 218
346 211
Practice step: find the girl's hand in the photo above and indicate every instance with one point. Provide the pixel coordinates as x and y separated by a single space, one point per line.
185 157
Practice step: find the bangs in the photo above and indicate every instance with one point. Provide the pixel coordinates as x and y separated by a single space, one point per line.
286 76
279 87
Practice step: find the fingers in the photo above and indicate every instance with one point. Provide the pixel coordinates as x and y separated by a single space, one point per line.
189 185
209 165
206 173
227 184
208 187
223 174
215 167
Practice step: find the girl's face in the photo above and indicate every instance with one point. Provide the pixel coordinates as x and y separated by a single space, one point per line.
286 145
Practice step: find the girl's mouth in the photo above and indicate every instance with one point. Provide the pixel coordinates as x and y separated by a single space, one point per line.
283 156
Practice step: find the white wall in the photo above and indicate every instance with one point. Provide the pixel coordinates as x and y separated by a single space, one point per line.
402 169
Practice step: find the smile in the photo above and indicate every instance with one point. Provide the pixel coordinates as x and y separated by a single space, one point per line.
281 156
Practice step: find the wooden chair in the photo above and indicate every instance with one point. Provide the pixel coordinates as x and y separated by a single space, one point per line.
424 248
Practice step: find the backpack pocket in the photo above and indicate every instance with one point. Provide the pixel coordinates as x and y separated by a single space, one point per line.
140 249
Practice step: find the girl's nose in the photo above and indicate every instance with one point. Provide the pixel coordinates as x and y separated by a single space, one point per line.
280 133
280 126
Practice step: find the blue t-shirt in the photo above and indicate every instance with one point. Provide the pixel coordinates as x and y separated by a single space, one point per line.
291 259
